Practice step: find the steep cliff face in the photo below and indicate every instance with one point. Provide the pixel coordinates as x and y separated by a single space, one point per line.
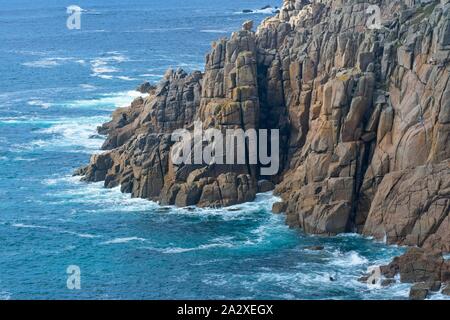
364 119
368 113
139 137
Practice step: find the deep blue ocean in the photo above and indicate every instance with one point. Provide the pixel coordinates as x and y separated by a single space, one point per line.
56 86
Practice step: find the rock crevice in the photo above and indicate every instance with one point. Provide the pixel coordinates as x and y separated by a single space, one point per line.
363 114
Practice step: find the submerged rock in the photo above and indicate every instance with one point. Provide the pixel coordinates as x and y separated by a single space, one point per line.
315 248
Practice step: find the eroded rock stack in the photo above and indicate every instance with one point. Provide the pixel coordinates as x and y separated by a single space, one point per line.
139 137
363 111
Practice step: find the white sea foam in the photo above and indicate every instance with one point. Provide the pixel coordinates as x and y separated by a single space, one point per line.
28 226
190 66
88 87
103 76
107 200
62 180
220 242
263 201
4 295
348 235
45 63
112 200
39 103
346 259
73 133
153 75
206 262
95 31
267 11
293 279
29 52
218 280
104 69
108 101
125 78
101 67
49 62
267 232
123 240
438 296
57 230
81 235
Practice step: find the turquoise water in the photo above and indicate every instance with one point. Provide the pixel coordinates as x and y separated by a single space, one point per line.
57 85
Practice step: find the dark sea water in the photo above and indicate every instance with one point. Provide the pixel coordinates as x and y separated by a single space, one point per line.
56 86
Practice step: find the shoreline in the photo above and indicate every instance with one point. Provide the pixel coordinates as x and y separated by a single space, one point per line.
357 153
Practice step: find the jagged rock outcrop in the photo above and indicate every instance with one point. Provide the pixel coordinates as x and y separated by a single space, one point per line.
362 104
426 269
363 112
411 207
139 137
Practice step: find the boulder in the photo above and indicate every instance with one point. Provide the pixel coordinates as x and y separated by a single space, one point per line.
446 289
279 207
265 186
416 265
315 248
247 25
145 87
419 291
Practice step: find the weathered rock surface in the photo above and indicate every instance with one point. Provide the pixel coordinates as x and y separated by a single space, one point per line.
419 291
139 137
361 118
315 248
363 114
279 207
145 87
446 289
424 268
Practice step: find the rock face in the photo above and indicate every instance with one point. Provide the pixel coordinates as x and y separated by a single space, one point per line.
363 114
145 87
368 119
139 137
426 269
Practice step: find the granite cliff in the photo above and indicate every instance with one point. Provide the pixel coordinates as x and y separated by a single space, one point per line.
363 114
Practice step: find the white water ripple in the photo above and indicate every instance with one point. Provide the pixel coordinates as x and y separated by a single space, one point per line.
123 240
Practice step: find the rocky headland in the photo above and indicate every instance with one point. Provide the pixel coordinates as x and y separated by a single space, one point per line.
364 120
